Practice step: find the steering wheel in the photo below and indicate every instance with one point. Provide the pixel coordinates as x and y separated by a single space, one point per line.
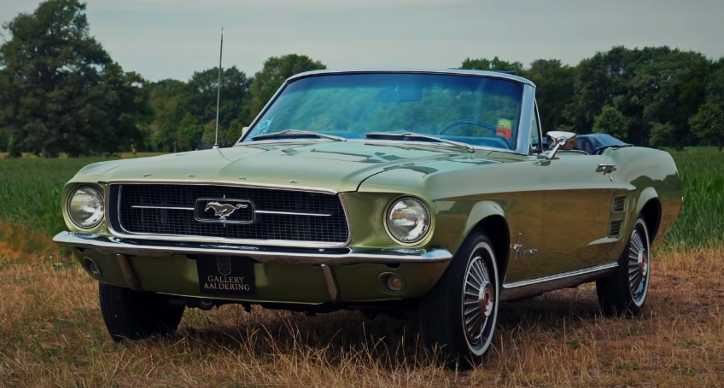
474 122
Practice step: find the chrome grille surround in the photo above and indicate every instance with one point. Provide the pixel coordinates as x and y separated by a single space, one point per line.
282 217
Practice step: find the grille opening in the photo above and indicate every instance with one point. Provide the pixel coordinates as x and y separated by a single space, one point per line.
169 210
619 204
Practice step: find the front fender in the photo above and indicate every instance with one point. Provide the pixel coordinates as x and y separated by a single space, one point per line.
479 212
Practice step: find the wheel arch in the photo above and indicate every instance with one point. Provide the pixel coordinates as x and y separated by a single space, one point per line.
649 206
488 217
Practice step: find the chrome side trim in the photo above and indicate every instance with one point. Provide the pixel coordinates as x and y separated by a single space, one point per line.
561 275
128 274
116 246
162 207
331 282
532 287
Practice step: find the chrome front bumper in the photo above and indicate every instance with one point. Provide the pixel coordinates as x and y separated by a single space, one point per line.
168 267
333 256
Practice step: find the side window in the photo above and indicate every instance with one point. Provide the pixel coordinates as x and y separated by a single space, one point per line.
535 140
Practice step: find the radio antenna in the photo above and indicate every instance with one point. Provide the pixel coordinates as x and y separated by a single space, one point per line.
218 91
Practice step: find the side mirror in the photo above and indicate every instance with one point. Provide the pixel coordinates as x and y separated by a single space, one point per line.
558 140
244 131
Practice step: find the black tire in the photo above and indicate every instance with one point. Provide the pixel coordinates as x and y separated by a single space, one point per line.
135 315
442 309
624 292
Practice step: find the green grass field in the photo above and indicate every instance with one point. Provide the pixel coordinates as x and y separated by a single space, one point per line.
31 188
701 223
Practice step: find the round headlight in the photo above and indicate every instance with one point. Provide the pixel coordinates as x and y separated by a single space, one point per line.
408 220
85 207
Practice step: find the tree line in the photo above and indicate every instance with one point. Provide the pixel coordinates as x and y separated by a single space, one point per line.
61 92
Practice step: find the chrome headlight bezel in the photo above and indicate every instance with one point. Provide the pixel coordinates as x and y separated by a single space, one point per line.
424 216
98 216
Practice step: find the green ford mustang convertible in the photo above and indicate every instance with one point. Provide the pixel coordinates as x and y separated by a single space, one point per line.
427 194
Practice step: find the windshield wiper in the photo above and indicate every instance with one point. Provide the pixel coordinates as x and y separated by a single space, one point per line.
413 135
297 133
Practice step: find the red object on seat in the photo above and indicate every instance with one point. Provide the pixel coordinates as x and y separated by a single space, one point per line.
504 132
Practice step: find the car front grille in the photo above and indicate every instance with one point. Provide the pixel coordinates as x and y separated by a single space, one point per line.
259 213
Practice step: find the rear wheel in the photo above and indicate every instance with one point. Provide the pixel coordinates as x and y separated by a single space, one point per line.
458 316
136 315
625 291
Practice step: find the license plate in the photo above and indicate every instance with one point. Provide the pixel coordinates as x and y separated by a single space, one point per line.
226 275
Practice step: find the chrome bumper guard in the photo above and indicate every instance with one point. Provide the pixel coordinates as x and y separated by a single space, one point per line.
319 256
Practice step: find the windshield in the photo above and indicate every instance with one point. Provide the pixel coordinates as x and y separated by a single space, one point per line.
480 111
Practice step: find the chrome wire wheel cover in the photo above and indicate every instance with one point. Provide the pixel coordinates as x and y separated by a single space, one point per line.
639 263
479 302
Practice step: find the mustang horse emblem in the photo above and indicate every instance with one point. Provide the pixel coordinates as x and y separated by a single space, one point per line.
224 210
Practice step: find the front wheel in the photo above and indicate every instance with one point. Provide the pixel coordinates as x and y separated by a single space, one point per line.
133 315
624 292
458 316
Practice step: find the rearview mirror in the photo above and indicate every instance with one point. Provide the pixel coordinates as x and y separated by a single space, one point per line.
560 140
244 131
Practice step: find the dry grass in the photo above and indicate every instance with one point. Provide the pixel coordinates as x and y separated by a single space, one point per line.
20 244
51 333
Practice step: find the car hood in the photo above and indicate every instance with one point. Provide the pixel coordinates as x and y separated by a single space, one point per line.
322 165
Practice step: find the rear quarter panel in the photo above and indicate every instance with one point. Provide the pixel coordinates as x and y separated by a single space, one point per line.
651 175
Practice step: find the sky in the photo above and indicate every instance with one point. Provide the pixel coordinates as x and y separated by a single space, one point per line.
173 38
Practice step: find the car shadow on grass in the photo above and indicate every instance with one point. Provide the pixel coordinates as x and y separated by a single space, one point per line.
349 336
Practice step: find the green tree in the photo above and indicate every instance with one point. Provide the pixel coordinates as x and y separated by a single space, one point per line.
209 135
165 100
708 123
234 132
653 86
494 64
189 133
277 69
554 91
669 88
663 135
201 91
610 121
118 110
598 81
13 148
61 92
4 141
715 86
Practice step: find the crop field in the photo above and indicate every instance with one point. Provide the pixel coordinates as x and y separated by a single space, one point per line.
52 333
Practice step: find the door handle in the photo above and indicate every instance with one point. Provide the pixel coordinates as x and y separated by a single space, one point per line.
606 168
